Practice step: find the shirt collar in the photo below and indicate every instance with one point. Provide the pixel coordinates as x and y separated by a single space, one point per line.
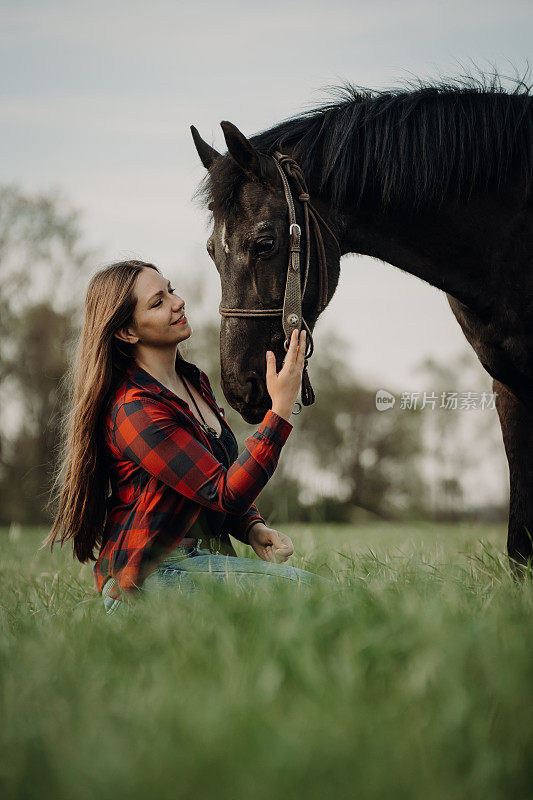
142 378
197 377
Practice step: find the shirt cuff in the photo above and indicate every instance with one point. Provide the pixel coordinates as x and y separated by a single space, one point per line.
249 527
275 427
240 526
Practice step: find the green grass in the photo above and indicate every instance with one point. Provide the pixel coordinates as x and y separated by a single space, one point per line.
412 679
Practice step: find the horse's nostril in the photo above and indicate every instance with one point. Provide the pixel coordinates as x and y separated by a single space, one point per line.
252 388
248 391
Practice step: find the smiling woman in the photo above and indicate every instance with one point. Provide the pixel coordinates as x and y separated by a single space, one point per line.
141 469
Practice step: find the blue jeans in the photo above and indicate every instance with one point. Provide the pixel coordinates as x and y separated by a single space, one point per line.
185 567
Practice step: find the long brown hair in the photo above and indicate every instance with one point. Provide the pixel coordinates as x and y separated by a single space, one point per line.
81 483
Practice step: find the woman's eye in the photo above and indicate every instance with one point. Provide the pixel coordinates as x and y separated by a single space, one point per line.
170 291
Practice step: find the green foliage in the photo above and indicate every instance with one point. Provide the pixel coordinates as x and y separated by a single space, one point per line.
40 263
411 679
35 368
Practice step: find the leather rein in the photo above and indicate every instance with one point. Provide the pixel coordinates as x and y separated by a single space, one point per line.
291 313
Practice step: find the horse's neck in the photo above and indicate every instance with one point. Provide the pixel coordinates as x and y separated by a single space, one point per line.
447 249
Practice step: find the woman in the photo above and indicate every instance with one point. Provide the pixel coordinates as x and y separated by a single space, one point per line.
150 467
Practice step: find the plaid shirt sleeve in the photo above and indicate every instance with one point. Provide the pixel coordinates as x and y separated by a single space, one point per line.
147 433
239 526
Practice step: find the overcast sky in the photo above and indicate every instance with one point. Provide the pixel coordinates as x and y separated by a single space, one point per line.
97 99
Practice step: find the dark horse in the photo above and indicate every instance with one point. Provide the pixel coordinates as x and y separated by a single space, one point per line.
435 180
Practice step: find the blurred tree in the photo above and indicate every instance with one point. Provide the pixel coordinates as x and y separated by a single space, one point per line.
42 275
464 459
34 368
374 454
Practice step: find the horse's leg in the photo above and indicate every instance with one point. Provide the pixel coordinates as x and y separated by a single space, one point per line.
516 420
517 429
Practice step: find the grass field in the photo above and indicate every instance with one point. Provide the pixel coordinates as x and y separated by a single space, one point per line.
413 678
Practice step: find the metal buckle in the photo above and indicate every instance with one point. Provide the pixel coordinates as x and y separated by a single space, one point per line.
297 227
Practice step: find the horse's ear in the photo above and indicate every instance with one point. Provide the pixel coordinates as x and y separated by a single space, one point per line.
207 153
240 148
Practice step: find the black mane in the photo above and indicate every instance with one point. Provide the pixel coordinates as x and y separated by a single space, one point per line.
418 144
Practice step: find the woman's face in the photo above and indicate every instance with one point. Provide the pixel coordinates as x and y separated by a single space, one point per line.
158 310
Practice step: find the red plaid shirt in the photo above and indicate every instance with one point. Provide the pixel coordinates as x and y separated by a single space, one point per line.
162 472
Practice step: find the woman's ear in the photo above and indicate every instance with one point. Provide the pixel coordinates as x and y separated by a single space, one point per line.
127 335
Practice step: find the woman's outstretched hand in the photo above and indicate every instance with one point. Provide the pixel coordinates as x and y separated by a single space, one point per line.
283 386
269 544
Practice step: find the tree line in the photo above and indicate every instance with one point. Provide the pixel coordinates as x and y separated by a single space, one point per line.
345 461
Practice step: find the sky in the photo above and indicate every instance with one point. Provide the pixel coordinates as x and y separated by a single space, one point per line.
96 101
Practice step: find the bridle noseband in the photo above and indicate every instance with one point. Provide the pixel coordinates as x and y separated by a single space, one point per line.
291 312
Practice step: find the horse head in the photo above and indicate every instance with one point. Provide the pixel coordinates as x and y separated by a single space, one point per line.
250 247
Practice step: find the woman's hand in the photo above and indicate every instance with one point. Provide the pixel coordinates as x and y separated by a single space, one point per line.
283 386
269 544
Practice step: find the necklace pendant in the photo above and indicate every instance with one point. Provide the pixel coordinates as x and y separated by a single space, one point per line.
211 431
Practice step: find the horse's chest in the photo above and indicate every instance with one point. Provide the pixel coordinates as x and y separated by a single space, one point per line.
504 345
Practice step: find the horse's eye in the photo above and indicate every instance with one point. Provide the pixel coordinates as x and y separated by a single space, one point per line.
262 246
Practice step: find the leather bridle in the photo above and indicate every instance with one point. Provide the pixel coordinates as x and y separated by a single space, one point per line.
291 312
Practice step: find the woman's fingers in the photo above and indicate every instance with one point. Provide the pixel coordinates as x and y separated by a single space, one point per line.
294 355
301 348
297 340
271 363
293 346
